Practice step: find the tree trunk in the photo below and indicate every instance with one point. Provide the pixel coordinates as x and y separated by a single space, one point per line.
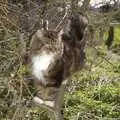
110 38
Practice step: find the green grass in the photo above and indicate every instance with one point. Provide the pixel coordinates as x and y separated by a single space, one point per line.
95 94
117 35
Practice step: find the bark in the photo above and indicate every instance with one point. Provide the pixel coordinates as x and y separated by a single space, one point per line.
110 38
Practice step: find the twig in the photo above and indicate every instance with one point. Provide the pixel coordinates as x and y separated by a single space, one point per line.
102 56
3 41
66 13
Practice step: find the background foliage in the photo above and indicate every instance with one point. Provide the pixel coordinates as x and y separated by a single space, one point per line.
93 93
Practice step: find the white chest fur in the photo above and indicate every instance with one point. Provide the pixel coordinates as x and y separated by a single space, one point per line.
40 64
